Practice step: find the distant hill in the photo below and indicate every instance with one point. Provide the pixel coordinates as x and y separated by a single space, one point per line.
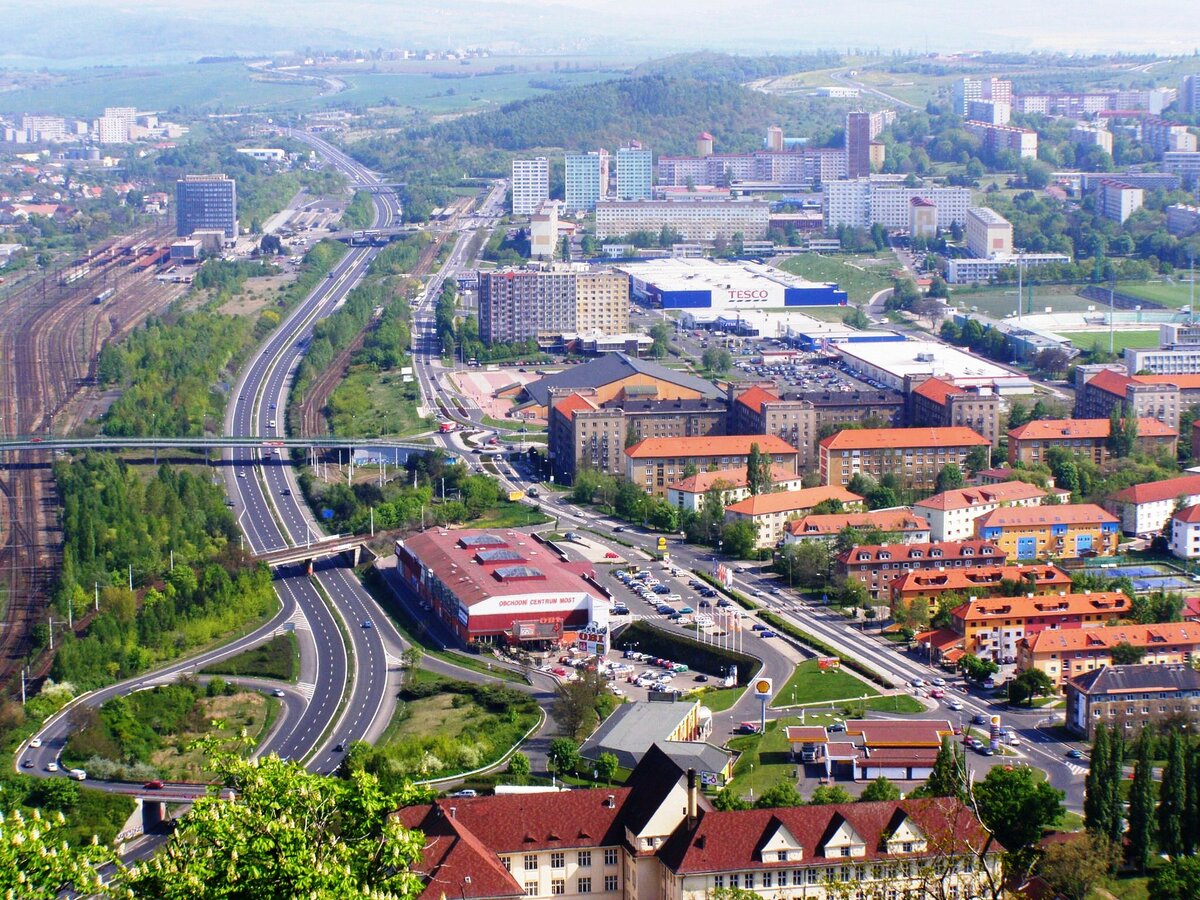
709 66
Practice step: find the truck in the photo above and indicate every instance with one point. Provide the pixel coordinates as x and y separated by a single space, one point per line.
514 496
447 427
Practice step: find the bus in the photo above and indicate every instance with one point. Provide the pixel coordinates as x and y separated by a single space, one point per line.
447 427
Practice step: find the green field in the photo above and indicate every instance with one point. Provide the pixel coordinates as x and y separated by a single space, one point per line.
718 699
764 758
1171 294
1000 300
859 275
371 403
277 658
1098 340
808 684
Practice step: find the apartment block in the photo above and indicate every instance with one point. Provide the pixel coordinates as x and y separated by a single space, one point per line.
861 129
884 200
518 304
1084 438
116 125
937 403
1051 532
1117 200
991 628
530 185
1184 165
973 271
1092 136
635 173
543 230
707 222
966 90
802 169
690 493
952 514
912 529
877 566
601 302
45 128
1167 137
798 417
206 202
1183 220
1067 654
929 586
992 112
586 180
770 513
997 139
915 455
1185 533
1145 509
1189 94
655 463
1126 699
1098 393
988 233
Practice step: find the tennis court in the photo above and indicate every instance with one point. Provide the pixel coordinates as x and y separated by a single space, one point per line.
1150 577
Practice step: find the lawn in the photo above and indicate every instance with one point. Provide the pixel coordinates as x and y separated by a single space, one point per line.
999 300
1171 294
510 515
808 684
719 699
370 403
1098 340
859 275
901 704
764 758
277 658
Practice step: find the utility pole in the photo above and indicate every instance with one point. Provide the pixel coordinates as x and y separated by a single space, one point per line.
1020 283
1112 311
97 585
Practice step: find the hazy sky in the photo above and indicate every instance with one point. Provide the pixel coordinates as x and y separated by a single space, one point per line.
125 29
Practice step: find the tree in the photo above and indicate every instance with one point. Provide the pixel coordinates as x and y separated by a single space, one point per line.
1015 807
727 801
1140 833
1191 810
879 789
286 832
781 793
606 766
1029 684
950 478
739 538
1177 879
1122 434
1172 796
1113 778
948 777
758 471
717 360
1097 798
519 765
660 333
977 669
577 704
977 459
563 755
1125 654
827 795
36 863
1074 867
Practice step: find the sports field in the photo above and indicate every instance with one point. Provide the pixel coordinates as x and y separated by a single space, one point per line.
1098 340
1000 300
1172 294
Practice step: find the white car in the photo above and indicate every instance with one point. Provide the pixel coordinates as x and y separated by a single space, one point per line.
940 682
917 682
35 743
955 705
1014 741
51 767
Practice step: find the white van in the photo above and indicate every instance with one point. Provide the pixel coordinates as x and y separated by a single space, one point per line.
78 774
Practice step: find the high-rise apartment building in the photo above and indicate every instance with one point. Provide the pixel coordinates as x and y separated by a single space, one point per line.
861 129
1118 200
518 304
988 233
997 139
635 173
44 128
116 125
775 139
967 89
586 180
707 221
206 202
530 185
1189 94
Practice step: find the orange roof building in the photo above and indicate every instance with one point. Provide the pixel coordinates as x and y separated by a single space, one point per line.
655 463
689 493
1083 437
991 628
952 514
1144 509
913 528
916 455
985 581
1065 653
877 565
770 512
1049 532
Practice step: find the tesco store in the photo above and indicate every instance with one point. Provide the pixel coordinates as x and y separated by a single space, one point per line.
724 286
505 587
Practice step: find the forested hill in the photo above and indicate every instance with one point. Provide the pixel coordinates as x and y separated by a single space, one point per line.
709 66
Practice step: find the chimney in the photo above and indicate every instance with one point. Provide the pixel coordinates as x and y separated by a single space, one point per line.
691 798
611 802
454 812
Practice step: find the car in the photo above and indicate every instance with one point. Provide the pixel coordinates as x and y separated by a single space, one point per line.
272 406
241 473
618 529
940 682
78 774
51 767
758 626
620 610
937 693
985 750
465 792
747 728
704 604
559 671
837 726
339 746
700 679
767 634
917 682
686 610
955 705
287 492
27 764
1014 741
271 424
611 555
1074 753
35 743
980 719
278 692
724 604
673 598
153 785
366 623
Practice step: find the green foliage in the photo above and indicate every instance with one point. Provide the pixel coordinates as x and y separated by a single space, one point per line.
856 318
128 729
607 765
1098 808
360 213
781 793
1073 867
518 764
740 538
758 471
727 801
563 755
112 521
1125 654
948 778
717 360
1140 834
1016 807
1176 879
277 658
977 669
37 863
1173 796
829 794
1030 684
582 703
879 789
950 478
286 833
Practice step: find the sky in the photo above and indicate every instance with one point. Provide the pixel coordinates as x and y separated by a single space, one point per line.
120 30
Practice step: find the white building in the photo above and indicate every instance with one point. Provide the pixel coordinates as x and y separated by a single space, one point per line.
994 112
972 271
988 232
1092 136
264 154
1144 509
116 125
689 494
1185 533
543 230
967 89
530 184
586 180
635 173
693 221
45 128
952 514
883 199
1183 360
891 363
1005 139
1117 200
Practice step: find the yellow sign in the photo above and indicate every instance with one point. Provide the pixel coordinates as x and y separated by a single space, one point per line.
662 543
762 687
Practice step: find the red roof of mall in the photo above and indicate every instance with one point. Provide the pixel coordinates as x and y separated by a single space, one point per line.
1155 491
755 398
721 445
965 498
902 438
1065 429
1077 514
937 390
477 565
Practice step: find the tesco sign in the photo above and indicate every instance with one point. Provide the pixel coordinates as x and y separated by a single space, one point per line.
749 295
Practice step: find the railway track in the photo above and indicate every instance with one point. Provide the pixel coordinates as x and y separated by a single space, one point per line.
51 333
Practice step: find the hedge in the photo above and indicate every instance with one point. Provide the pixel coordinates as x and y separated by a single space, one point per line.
804 637
736 596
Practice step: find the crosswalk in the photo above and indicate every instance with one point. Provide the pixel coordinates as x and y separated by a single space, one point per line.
1076 769
306 688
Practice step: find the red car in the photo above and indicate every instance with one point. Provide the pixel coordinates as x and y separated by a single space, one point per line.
611 555
153 785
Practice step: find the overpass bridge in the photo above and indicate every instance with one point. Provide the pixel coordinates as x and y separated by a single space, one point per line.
208 442
353 545
372 237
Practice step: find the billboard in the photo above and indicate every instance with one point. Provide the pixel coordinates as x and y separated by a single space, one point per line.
762 688
828 662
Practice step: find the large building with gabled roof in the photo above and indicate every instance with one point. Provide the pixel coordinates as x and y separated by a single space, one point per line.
654 463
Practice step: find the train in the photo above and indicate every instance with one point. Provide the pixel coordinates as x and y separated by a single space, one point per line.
103 295
73 275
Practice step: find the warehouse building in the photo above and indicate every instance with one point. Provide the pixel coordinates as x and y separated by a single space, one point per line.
505 587
724 287
890 364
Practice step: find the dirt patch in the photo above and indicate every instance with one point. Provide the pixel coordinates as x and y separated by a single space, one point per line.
258 294
244 710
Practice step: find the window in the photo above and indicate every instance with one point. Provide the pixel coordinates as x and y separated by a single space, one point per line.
749 881
814 876
718 881
558 887
768 880
531 888
845 851
783 856
797 877
506 861
558 860
908 847
610 857
610 882
530 862
735 880
585 858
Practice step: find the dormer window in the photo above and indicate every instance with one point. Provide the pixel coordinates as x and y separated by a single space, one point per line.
967 551
936 553
916 554
885 555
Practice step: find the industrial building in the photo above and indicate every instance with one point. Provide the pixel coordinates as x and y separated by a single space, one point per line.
206 202
503 587
892 364
705 284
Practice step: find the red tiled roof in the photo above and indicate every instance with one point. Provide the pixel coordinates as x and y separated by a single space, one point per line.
734 478
937 390
1108 636
965 498
1076 514
900 732
1183 382
719 445
1110 381
982 578
1156 491
883 519
805 733
729 841
949 550
788 501
1097 602
454 862
755 398
572 404
1065 429
901 438
1188 515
